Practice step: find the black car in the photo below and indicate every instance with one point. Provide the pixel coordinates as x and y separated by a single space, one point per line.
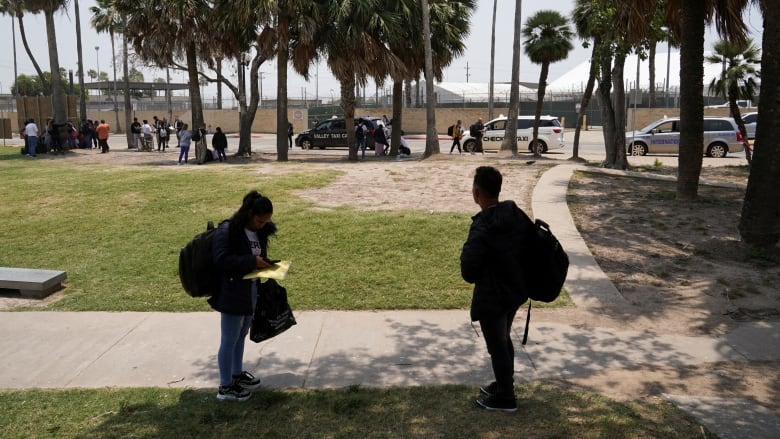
332 133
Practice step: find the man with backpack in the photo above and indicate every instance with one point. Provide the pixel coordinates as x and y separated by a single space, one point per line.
456 132
360 137
495 248
477 130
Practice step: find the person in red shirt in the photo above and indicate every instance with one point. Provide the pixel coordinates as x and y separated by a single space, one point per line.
102 135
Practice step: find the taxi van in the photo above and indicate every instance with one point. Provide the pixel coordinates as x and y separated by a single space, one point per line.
721 136
550 134
332 133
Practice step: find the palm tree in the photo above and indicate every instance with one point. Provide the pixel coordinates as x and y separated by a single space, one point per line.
727 18
107 18
449 24
760 222
59 112
737 79
431 138
80 56
584 24
516 54
16 9
547 40
510 135
354 43
171 33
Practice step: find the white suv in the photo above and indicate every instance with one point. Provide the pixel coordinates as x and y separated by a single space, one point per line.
550 134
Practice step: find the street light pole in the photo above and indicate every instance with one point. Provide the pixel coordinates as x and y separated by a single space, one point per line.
97 63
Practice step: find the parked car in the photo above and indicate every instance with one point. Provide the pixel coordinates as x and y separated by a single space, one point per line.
751 122
332 133
721 137
550 134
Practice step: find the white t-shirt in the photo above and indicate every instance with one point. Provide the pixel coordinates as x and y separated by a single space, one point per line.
254 242
31 129
146 129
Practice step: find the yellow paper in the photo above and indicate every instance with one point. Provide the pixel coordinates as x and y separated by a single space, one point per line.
278 271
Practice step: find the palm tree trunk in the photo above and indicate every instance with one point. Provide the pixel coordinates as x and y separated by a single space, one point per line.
118 127
219 84
691 100
586 97
128 104
618 147
735 114
539 102
431 136
651 76
408 93
38 70
196 104
760 222
80 56
607 110
283 53
493 61
57 92
398 91
348 106
510 134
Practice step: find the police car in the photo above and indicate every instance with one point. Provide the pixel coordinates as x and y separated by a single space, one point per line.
550 134
721 136
332 133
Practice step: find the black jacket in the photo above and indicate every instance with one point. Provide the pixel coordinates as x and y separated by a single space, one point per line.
234 259
219 140
491 260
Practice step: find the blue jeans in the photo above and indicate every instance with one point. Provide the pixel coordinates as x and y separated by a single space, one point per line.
361 146
230 357
33 144
185 152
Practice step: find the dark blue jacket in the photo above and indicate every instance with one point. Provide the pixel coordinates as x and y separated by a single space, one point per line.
234 259
491 260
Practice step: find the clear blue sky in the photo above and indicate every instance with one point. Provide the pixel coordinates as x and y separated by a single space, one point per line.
477 56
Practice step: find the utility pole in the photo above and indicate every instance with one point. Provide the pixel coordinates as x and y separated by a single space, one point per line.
467 72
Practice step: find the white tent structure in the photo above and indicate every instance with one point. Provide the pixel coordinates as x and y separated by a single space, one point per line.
575 79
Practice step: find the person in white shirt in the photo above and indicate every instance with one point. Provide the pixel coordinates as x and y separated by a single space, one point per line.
31 131
146 130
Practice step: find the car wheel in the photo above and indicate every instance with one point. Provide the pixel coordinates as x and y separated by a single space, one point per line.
306 144
717 150
470 146
638 149
538 148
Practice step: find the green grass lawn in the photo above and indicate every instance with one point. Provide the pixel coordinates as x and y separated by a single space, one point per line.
545 411
118 232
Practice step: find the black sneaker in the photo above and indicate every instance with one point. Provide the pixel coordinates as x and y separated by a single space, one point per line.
493 402
233 392
490 389
246 381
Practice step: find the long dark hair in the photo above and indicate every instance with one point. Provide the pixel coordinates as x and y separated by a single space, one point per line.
254 203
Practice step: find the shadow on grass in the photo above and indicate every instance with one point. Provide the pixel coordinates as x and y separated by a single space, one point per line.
424 412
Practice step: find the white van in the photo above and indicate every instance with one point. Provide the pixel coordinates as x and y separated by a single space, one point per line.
550 134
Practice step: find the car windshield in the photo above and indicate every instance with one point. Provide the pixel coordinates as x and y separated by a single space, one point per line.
651 126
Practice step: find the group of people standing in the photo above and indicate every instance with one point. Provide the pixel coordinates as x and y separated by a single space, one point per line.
59 138
489 260
476 131
144 135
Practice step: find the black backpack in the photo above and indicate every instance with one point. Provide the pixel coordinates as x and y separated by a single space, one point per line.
450 130
196 135
198 273
546 271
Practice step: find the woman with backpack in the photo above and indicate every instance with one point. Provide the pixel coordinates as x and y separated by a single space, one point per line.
240 246
456 132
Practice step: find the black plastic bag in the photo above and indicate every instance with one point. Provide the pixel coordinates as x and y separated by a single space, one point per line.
272 312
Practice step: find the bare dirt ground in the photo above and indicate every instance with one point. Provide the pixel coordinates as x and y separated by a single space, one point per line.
680 266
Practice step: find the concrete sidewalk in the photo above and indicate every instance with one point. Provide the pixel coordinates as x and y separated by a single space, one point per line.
383 348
